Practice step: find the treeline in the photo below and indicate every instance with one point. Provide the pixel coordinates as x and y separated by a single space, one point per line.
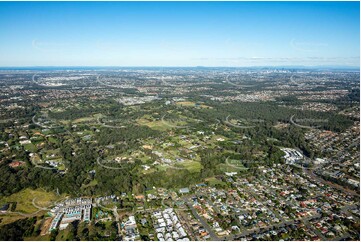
21 113
271 113
73 113
19 229
77 231
13 180
171 178
131 134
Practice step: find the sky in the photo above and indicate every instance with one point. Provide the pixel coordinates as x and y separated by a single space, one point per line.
179 33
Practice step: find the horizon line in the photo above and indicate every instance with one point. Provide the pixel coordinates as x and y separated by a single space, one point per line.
195 66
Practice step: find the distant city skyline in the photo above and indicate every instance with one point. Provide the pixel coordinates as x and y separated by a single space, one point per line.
238 34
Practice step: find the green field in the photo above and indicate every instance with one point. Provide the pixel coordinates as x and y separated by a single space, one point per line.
232 166
85 119
212 181
236 163
24 200
30 147
156 125
191 104
90 184
53 140
192 166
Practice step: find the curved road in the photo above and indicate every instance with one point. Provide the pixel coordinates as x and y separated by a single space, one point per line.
109 126
298 125
235 125
172 126
109 167
237 85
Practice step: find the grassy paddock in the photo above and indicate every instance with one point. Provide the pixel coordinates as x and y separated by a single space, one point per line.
25 197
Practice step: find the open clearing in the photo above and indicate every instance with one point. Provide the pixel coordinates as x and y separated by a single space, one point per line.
85 119
191 104
25 198
30 147
192 166
156 125
212 181
232 166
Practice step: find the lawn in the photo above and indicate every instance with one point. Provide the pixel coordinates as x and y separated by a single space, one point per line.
192 166
35 159
212 181
186 103
9 218
61 167
37 139
30 147
24 200
53 140
38 238
152 191
236 163
191 104
25 197
228 168
156 125
85 119
63 234
90 184
49 153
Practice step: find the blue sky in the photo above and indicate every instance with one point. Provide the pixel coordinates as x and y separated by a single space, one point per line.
179 33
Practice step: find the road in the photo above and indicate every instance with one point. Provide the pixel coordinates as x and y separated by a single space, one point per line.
336 186
316 231
46 168
289 222
346 209
39 207
26 214
275 226
38 124
236 85
342 237
109 126
109 167
171 125
298 125
237 126
116 215
213 236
